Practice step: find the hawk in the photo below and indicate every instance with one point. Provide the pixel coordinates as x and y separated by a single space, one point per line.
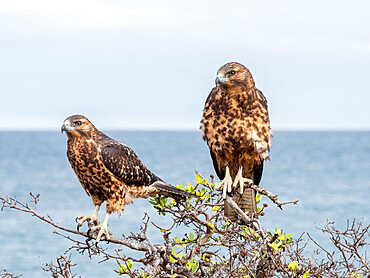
109 171
235 125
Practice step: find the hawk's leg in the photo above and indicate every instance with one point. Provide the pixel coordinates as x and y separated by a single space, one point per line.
226 183
239 179
103 228
93 217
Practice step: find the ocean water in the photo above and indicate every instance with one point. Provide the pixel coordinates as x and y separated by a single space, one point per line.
329 172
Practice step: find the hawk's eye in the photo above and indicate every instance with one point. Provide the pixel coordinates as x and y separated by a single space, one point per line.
232 72
78 123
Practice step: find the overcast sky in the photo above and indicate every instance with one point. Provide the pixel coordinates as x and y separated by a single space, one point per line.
151 64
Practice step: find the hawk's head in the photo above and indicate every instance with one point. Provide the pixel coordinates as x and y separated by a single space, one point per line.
77 125
234 74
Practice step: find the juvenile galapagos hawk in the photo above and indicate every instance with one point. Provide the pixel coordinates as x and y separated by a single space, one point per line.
109 171
236 127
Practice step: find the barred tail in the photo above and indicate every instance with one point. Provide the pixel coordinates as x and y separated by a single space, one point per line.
167 188
246 201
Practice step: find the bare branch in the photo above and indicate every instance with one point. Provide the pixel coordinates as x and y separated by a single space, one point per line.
6 274
61 269
272 197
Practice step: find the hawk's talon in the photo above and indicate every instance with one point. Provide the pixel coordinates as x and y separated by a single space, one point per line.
218 186
241 180
103 229
225 183
93 217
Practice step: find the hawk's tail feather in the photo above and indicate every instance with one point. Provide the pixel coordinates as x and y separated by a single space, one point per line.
167 188
246 201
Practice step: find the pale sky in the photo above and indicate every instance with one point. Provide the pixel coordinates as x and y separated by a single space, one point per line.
151 64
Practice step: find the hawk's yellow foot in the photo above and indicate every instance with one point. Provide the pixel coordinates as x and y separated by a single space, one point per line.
93 217
103 229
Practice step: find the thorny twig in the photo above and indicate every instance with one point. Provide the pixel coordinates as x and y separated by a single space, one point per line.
273 197
61 269
6 274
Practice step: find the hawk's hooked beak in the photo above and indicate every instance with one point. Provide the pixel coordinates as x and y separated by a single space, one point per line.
65 127
221 78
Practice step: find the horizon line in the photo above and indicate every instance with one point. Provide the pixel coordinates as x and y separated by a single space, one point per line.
193 130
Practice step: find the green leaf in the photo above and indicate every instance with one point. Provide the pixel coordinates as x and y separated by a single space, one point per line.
195 266
172 258
189 264
275 246
191 236
163 202
212 226
153 201
189 187
293 265
305 275
199 179
258 198
122 269
215 208
180 255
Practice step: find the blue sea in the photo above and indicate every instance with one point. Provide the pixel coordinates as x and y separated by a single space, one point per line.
329 172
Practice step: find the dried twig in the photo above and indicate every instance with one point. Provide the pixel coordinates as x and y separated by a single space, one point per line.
6 274
273 197
61 269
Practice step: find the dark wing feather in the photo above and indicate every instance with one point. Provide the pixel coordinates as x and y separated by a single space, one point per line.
125 165
220 172
167 188
262 98
257 173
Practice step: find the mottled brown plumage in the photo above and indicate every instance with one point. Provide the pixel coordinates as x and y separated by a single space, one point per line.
109 170
236 127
